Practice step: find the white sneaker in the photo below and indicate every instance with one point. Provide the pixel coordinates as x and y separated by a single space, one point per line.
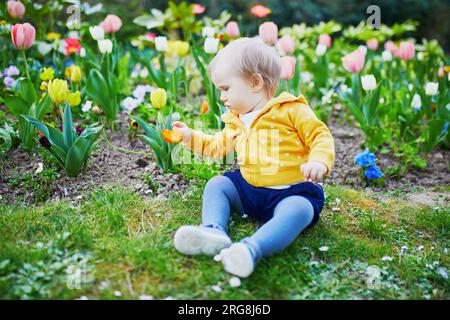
238 260
193 240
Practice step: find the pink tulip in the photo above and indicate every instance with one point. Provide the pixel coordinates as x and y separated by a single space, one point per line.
23 36
287 68
354 61
406 50
325 39
286 44
232 29
391 47
372 44
111 24
268 32
16 9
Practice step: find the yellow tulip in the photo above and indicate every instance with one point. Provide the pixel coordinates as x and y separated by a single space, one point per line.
43 86
158 98
47 74
181 48
51 36
74 73
58 90
74 98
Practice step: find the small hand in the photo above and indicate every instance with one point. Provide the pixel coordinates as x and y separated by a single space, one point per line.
184 129
313 171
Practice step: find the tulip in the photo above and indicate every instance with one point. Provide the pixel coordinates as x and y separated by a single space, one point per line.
372 44
158 98
391 47
97 32
286 44
43 47
325 39
74 98
268 32
111 24
441 72
208 31
52 36
172 136
260 11
386 55
47 74
197 8
105 46
431 88
368 82
16 9
354 61
420 56
321 49
74 73
58 90
363 49
232 29
211 45
416 102
406 50
23 36
181 48
161 44
72 46
96 109
287 68
43 86
204 107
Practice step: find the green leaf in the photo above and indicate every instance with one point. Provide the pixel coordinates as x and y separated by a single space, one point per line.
68 131
79 152
16 105
98 90
5 142
27 91
52 134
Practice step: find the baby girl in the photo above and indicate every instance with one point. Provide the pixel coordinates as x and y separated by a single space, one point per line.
282 149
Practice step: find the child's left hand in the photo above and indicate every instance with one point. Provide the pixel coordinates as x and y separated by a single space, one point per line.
313 171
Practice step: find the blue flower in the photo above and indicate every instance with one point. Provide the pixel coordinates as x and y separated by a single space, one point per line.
68 63
365 159
373 172
444 129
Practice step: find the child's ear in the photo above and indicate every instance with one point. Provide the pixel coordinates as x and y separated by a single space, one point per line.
256 82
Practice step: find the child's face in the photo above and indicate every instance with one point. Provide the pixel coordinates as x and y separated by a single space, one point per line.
236 93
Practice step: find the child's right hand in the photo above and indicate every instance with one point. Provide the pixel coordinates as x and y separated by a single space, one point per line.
184 129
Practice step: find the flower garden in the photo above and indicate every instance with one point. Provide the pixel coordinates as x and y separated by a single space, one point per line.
93 182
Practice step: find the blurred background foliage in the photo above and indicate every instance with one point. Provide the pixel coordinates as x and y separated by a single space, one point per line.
431 14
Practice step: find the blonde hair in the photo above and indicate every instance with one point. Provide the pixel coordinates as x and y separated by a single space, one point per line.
253 56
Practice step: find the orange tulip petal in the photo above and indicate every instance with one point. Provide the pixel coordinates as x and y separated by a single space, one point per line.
172 136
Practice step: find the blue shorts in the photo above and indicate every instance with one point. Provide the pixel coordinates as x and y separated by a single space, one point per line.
260 202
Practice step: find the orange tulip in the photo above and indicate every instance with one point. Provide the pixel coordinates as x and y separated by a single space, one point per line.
205 107
172 136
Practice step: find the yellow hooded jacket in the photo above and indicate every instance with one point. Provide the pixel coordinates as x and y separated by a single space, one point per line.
283 136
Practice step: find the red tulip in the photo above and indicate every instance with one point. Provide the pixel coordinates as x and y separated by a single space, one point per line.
198 9
111 24
72 46
16 9
287 68
268 32
23 36
232 29
354 61
325 39
260 11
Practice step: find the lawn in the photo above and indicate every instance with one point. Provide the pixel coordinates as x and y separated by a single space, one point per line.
114 244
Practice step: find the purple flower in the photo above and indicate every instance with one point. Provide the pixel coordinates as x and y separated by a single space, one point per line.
365 159
373 172
9 82
11 71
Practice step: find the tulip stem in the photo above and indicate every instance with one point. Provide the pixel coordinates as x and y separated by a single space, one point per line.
120 149
26 64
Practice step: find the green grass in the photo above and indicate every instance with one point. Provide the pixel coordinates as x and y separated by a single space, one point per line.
114 240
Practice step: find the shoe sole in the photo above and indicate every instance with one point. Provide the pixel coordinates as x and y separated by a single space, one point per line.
237 260
191 240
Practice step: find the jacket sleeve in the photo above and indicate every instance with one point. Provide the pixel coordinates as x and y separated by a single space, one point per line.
216 146
314 134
